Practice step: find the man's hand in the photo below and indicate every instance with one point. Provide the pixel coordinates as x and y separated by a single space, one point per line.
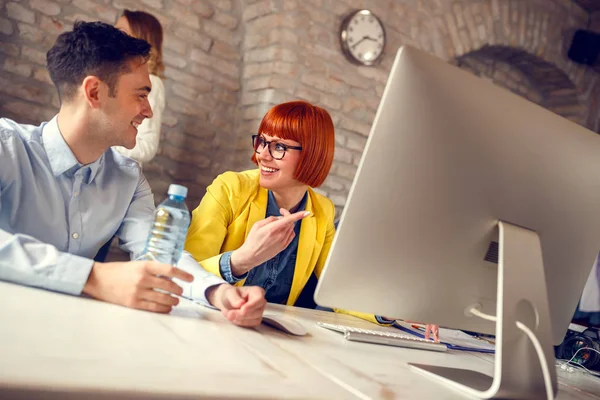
244 306
266 239
132 284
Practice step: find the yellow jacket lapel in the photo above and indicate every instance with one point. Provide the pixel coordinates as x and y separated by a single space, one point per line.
258 209
309 247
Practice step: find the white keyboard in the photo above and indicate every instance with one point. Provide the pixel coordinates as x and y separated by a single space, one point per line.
381 337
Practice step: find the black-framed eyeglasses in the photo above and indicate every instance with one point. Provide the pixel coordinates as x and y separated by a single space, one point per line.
276 149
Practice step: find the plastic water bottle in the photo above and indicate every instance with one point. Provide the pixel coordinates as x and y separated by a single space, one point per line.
169 229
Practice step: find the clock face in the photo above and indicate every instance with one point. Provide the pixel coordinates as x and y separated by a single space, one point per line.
363 37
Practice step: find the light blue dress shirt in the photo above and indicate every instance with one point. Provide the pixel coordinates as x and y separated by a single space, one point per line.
56 213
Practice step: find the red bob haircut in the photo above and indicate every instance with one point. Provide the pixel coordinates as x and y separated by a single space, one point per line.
312 127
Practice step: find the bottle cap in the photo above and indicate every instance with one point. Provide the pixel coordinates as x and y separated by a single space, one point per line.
177 190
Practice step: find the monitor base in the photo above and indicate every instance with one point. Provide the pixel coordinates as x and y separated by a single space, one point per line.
521 297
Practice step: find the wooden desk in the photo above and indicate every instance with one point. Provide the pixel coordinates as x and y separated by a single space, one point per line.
71 347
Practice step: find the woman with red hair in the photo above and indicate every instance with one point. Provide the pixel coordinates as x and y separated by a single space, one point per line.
267 226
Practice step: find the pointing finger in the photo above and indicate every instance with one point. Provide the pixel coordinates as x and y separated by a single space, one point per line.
291 218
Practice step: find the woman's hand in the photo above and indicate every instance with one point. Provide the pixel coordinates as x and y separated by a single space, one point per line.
431 331
266 239
244 306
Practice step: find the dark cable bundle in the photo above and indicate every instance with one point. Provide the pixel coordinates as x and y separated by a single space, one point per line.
578 348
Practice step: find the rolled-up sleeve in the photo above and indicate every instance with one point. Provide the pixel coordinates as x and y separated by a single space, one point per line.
203 280
225 269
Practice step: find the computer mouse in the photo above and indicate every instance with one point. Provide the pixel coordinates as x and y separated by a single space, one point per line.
285 324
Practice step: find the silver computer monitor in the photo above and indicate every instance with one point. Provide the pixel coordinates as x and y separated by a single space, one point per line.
468 195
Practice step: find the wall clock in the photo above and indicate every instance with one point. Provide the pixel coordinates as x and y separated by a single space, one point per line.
362 37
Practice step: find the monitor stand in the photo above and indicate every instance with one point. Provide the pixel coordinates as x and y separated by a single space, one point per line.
521 296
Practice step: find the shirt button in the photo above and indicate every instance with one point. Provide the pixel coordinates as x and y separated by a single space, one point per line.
76 193
75 235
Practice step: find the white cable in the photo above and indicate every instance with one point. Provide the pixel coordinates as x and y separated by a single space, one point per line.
578 365
574 365
536 345
482 315
541 356
583 348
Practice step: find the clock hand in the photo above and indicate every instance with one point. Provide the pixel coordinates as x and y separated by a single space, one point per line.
360 41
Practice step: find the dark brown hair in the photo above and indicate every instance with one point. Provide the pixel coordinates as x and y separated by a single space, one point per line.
146 26
92 48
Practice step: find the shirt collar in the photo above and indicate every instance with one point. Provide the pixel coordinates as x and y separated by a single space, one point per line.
273 208
95 167
59 153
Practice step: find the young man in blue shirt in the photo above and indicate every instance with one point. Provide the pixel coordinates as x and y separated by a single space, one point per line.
64 192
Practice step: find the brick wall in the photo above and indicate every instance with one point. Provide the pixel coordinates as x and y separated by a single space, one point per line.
229 61
528 76
502 73
203 69
291 50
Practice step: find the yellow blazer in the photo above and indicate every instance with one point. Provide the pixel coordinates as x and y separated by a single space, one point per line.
229 209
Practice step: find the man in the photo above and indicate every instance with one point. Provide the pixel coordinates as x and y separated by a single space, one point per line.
64 192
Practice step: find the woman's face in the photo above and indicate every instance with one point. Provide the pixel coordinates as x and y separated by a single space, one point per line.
123 25
275 174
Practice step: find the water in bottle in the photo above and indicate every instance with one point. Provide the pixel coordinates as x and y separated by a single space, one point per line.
169 228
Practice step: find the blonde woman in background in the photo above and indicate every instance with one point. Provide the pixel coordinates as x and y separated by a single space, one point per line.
142 25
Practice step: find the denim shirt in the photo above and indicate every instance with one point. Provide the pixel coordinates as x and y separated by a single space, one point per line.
275 275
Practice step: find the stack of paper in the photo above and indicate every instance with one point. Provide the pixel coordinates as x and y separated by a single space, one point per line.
453 338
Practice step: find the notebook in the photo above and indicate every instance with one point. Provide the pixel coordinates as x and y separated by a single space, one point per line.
453 338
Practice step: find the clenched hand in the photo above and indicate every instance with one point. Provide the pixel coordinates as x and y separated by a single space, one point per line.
244 306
